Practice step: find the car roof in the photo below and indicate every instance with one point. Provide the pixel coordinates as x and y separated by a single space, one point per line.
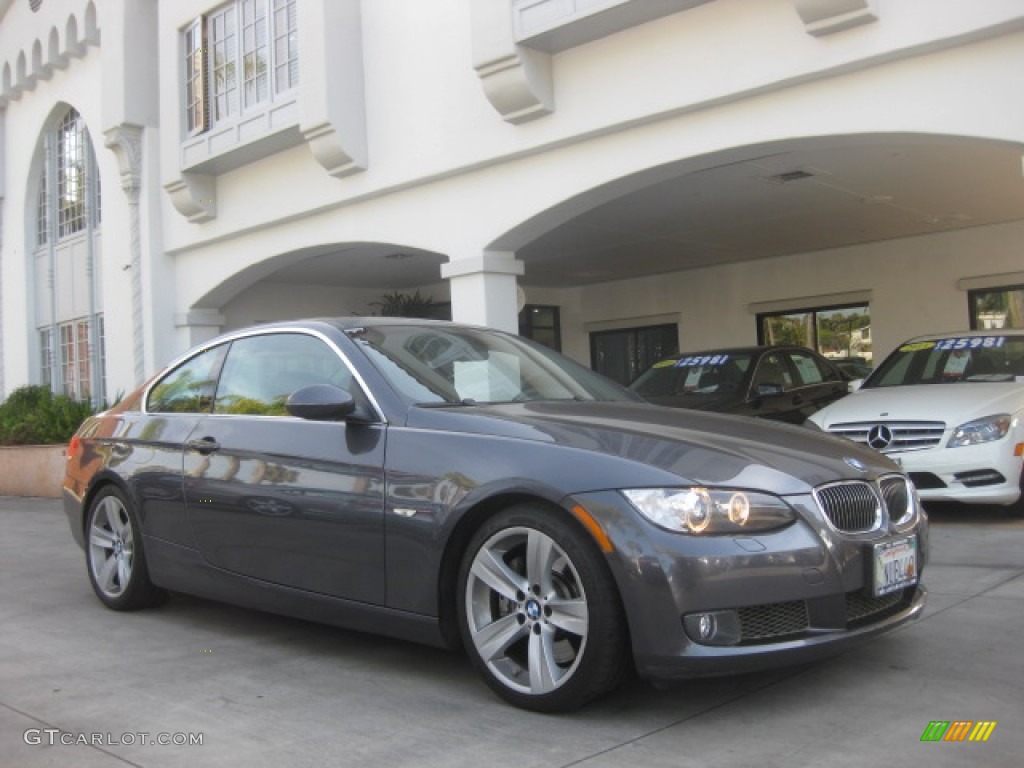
967 334
752 349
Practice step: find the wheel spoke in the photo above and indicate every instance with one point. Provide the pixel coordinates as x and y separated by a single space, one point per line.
112 510
105 576
544 671
127 537
570 615
100 537
124 572
494 639
492 571
541 554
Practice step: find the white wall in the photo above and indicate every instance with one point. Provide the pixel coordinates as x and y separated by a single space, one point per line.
912 284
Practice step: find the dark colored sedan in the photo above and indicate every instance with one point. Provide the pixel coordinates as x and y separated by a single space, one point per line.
460 486
772 382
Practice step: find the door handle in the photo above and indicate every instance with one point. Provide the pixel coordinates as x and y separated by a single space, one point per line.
205 446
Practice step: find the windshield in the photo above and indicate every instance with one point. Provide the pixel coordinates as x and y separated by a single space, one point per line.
450 365
708 373
953 360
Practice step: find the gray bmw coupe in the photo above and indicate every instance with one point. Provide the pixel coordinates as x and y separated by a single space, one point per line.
459 486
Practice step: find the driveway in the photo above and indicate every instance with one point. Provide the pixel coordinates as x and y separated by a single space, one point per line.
260 690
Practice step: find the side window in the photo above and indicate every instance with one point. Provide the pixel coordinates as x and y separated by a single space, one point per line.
772 376
262 371
189 387
807 368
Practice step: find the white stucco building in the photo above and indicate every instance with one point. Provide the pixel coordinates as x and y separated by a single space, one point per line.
640 173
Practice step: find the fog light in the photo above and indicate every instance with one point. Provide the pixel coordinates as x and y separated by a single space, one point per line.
706 626
713 627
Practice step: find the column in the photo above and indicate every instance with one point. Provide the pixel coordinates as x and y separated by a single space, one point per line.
484 289
198 325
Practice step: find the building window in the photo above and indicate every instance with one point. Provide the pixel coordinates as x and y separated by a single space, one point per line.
229 59
541 324
71 175
195 77
67 212
993 308
42 214
46 357
624 354
286 45
75 358
836 332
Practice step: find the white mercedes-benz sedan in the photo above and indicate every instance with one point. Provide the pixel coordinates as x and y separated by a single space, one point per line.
950 409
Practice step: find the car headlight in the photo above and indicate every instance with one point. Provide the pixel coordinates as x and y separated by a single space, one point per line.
981 430
710 510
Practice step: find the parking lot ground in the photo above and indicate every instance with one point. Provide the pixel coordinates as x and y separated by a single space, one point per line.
262 690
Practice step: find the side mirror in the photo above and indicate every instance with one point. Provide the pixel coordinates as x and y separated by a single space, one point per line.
854 385
320 402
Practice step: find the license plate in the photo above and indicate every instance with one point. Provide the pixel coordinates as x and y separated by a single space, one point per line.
895 565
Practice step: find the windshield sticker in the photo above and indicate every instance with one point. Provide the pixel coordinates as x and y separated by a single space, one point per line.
974 342
692 360
917 346
664 364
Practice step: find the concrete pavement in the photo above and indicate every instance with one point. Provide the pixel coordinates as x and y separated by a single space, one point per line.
261 690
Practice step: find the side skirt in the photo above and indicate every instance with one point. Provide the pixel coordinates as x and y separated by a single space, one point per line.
181 569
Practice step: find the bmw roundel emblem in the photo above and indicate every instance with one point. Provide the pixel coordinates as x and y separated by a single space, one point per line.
857 464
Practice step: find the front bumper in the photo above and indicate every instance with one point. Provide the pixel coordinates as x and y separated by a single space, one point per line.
989 473
801 593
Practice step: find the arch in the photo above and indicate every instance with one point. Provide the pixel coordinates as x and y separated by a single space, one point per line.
340 278
548 215
63 254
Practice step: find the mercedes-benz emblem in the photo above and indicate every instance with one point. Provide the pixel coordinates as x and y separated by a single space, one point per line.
879 437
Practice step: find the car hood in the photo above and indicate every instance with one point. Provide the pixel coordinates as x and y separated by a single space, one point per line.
953 404
697 447
714 402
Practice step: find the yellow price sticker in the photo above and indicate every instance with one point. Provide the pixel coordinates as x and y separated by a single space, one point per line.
917 347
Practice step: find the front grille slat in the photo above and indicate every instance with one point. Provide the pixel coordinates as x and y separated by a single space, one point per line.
905 435
897 497
773 621
863 609
851 506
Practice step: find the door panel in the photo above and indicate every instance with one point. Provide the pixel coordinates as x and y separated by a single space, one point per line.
287 500
293 502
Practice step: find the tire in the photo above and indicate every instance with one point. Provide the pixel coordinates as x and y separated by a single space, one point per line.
114 556
539 613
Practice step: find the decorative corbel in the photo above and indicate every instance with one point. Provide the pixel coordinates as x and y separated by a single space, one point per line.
125 141
823 17
516 80
332 106
518 85
193 195
332 151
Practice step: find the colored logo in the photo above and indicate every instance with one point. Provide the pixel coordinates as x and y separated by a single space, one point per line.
958 730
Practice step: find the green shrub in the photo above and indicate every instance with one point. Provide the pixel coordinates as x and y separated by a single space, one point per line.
33 415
